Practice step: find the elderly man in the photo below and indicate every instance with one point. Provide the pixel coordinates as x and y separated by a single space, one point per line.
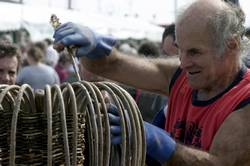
9 63
209 89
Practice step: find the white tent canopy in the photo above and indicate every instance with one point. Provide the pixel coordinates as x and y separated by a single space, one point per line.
10 17
36 21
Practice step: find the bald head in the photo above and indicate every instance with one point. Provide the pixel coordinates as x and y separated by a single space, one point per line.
200 10
219 19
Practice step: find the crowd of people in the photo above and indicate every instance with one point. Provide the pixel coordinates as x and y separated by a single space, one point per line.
200 68
40 64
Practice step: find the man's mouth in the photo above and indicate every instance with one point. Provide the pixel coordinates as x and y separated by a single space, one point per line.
193 73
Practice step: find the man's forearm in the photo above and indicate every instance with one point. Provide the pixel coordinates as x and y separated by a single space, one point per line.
186 156
100 67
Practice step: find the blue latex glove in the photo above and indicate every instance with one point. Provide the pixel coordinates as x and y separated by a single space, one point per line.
89 43
115 124
160 146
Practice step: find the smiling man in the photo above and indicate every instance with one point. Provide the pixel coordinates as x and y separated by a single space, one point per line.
9 63
207 123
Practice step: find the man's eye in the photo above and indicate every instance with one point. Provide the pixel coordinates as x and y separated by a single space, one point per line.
12 73
193 52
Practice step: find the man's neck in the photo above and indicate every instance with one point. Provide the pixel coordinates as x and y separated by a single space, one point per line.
219 86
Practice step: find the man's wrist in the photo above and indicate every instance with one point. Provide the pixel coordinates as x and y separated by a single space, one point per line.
160 146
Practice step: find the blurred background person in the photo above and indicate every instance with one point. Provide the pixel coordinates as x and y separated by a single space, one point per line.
149 49
42 46
9 63
168 46
62 67
37 74
51 57
127 48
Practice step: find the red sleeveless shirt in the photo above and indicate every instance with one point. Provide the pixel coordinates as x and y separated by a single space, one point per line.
194 122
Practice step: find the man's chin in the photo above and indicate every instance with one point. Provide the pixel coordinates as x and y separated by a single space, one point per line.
195 85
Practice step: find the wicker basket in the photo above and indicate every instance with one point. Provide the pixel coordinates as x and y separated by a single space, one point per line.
67 125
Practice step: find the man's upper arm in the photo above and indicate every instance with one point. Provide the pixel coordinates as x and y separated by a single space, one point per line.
231 145
168 70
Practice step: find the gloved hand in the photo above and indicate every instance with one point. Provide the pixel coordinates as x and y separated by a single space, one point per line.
160 146
89 43
115 124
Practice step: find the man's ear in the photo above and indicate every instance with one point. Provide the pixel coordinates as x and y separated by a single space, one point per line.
233 43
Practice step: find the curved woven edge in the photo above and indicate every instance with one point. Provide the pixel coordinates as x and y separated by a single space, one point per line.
87 98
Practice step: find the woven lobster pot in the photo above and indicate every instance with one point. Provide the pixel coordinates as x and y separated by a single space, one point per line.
68 125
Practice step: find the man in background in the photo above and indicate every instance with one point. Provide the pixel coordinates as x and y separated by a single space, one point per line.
168 46
9 63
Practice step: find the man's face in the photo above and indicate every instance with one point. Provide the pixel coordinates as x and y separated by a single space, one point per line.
8 70
168 46
205 68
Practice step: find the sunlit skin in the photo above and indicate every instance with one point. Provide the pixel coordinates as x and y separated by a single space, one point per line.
8 70
207 70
